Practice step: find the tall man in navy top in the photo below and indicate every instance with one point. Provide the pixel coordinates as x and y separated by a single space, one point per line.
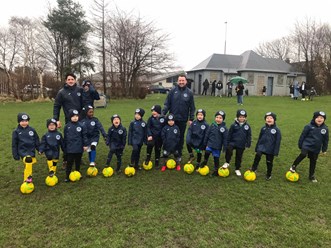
180 103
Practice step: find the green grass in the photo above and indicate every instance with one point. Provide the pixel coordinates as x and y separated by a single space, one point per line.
170 209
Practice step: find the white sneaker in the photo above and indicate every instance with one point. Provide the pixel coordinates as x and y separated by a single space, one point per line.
238 173
92 164
292 169
225 165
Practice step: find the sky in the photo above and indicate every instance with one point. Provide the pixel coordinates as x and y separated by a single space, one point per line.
199 28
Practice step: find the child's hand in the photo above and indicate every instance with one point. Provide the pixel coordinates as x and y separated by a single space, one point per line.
40 153
149 138
323 153
85 148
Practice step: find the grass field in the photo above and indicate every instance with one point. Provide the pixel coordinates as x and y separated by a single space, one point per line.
170 209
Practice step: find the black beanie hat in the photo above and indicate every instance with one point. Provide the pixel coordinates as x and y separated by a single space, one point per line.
86 82
156 108
140 111
73 112
270 114
222 113
241 112
319 113
170 117
22 117
201 111
49 121
115 116
87 107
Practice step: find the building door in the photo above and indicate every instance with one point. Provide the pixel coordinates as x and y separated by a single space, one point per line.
270 86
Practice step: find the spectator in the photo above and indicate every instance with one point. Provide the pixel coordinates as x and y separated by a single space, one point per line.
205 87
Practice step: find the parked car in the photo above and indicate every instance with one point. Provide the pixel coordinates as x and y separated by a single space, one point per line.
102 103
157 89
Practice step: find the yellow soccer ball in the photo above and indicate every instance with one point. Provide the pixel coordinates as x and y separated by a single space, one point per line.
171 164
148 166
27 188
204 170
129 171
249 175
107 171
292 176
51 181
223 172
75 176
92 171
189 168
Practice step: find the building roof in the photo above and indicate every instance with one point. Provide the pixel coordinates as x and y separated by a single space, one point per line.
247 61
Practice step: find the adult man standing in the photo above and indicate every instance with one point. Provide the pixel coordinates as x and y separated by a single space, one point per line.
219 87
180 102
69 97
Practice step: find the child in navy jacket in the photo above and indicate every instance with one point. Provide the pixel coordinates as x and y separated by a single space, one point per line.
155 124
75 142
137 136
195 136
268 143
170 136
240 137
93 129
50 145
216 140
25 142
116 140
313 139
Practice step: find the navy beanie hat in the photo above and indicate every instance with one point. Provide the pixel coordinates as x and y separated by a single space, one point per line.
156 108
140 111
319 113
241 112
271 114
22 117
222 113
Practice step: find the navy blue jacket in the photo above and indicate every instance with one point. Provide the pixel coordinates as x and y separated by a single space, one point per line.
170 137
93 127
154 126
196 134
217 136
51 143
240 136
25 142
75 137
137 133
89 96
269 140
180 102
314 138
69 97
116 137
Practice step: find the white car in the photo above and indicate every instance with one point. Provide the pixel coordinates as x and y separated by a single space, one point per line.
102 103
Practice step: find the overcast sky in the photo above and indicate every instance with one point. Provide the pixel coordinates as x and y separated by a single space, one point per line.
197 27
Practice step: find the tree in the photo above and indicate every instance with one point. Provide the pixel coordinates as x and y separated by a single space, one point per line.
68 30
277 49
134 48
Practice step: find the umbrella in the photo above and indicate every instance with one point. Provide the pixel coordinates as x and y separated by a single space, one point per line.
237 79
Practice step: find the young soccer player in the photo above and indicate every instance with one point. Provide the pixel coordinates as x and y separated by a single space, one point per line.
137 136
170 136
116 140
50 144
268 143
155 124
216 140
75 142
25 142
313 139
94 128
240 137
195 136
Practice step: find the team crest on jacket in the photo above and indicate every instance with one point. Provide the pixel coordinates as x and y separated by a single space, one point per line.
58 137
203 127
78 129
162 120
31 133
120 131
175 130
246 127
323 131
273 131
78 94
92 123
222 129
143 124
185 94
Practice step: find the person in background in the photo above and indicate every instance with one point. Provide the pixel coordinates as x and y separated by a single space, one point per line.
205 86
213 88
89 93
240 93
229 85
219 87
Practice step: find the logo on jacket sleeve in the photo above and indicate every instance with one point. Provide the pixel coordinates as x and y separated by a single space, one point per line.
175 131
185 95
78 94
162 120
